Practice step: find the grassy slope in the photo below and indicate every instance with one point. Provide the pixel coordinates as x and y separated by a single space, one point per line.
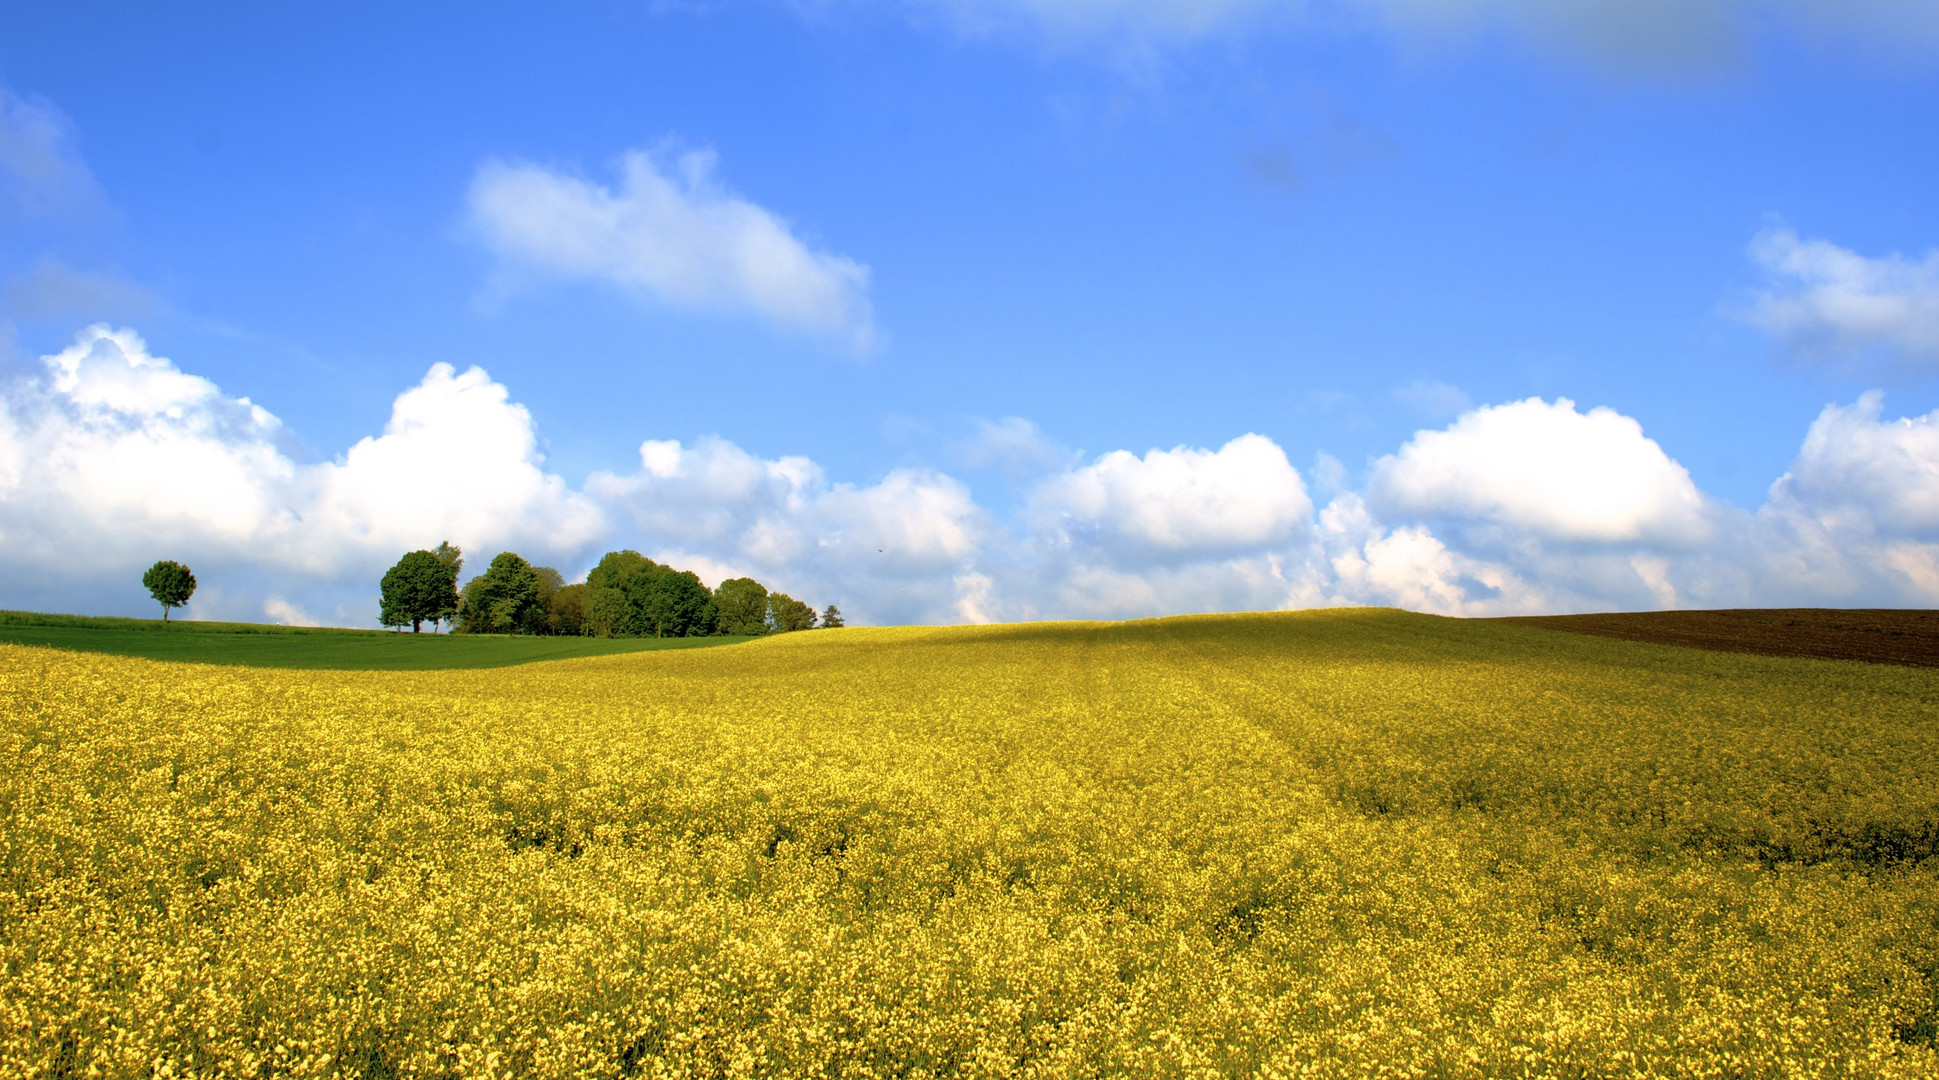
322 648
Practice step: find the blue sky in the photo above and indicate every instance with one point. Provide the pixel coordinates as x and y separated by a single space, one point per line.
946 311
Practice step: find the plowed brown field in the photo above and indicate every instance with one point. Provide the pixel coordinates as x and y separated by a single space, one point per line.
1877 636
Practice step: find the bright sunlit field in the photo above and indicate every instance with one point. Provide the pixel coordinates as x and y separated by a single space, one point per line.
1338 844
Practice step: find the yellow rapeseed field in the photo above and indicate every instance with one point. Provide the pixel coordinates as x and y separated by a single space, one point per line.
1349 844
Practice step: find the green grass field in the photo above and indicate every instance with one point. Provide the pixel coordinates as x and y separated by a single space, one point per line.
316 648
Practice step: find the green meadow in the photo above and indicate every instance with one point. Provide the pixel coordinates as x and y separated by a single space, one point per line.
316 648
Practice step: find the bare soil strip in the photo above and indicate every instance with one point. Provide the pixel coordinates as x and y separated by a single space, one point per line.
1908 638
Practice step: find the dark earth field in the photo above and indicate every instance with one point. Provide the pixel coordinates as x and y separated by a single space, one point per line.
1906 637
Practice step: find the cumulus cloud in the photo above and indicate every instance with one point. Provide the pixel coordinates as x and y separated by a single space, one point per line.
1077 588
671 230
1854 522
1541 468
1409 567
1856 518
1859 470
458 457
1828 303
1180 503
115 457
888 551
1186 529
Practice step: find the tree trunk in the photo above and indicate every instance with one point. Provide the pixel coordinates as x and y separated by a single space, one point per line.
164 612
417 626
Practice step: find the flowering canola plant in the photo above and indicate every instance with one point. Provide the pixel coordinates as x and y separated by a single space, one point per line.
1336 844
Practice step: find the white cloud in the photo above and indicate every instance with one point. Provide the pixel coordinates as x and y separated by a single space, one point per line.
116 457
902 548
1855 520
1535 468
1091 590
1410 567
1180 503
285 613
457 458
673 231
1175 530
1856 470
1829 303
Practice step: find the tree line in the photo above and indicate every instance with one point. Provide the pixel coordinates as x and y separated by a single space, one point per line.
626 595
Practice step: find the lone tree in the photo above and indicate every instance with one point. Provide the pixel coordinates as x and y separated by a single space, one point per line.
832 618
170 583
419 587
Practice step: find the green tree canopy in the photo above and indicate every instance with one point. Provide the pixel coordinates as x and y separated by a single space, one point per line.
831 617
676 604
539 618
786 614
630 594
170 583
421 586
624 580
616 567
452 556
606 612
565 610
500 600
742 605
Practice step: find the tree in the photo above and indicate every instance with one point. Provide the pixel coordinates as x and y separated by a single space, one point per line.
630 594
675 604
170 583
453 558
606 611
566 610
500 600
619 584
831 618
616 566
419 587
742 606
539 618
786 614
